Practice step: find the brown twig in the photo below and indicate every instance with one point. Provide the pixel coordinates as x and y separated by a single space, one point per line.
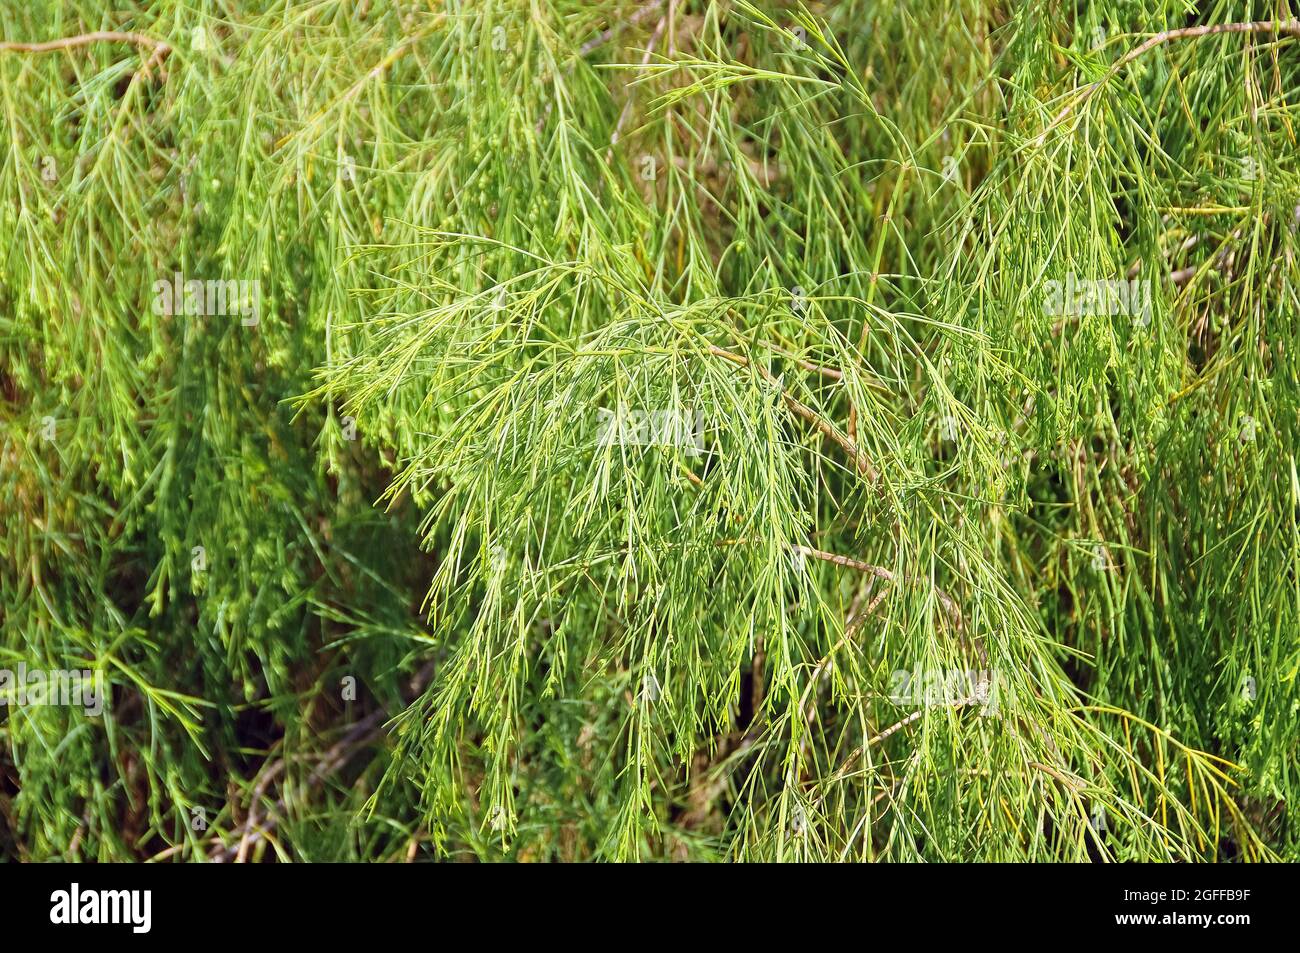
1289 27
880 572
803 410
833 373
896 727
160 48
627 107
83 39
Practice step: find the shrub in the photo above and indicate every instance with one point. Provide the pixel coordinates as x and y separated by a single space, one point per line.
688 429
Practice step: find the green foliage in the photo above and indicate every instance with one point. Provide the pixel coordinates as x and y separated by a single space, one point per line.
641 401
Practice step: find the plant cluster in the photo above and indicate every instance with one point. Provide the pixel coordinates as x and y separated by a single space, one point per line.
679 429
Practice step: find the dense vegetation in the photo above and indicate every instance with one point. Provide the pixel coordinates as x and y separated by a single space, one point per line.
664 430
